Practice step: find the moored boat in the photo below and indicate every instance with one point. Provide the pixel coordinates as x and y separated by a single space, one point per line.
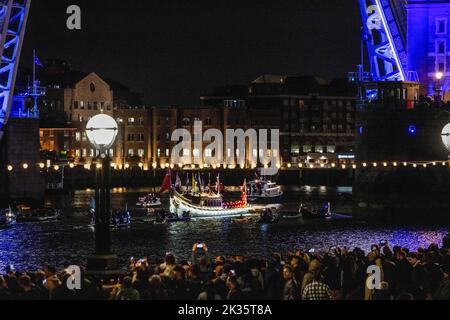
119 220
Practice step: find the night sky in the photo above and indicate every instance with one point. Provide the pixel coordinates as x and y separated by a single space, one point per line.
173 51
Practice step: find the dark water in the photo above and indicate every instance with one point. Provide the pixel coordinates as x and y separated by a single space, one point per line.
66 242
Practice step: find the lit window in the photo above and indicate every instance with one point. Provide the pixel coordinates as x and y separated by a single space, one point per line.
77 136
91 153
131 152
158 153
84 153
130 121
167 152
141 153
77 153
185 152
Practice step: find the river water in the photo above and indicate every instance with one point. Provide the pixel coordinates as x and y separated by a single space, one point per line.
30 246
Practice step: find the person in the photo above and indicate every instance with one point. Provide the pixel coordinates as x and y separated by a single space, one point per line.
443 292
210 292
317 290
383 293
156 290
126 291
234 291
291 288
27 289
4 292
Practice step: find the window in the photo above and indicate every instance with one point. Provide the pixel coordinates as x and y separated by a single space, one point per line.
141 153
81 104
140 121
440 46
196 153
208 153
130 121
111 152
77 136
331 149
441 25
91 152
83 136
306 148
75 104
186 121
77 153
89 105
84 153
207 121
167 152
95 105
131 152
92 87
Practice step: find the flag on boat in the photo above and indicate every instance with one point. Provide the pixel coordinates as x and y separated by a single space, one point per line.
167 182
244 192
178 183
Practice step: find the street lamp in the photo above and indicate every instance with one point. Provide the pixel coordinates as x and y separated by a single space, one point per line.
445 135
101 131
437 89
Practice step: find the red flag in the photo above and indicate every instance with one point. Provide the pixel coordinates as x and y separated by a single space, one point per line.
167 182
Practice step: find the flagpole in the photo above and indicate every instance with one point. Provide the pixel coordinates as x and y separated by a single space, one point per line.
34 65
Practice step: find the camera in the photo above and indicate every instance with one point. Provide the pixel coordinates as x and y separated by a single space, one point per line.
383 243
312 250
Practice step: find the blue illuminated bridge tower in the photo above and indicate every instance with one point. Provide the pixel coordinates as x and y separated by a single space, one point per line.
409 40
13 19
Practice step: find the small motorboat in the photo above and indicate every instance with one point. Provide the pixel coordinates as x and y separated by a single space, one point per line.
291 215
7 218
310 211
27 214
268 216
162 217
149 201
242 219
119 220
263 191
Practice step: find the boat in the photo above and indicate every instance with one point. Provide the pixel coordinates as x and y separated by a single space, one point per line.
205 205
162 217
310 211
7 218
261 190
268 216
119 220
291 215
149 201
27 214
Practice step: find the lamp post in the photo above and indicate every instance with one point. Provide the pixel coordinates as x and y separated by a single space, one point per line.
445 135
101 131
437 88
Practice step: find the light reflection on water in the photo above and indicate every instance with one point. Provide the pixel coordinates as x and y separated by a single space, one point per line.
69 241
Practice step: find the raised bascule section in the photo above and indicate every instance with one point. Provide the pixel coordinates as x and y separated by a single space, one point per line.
408 40
13 19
